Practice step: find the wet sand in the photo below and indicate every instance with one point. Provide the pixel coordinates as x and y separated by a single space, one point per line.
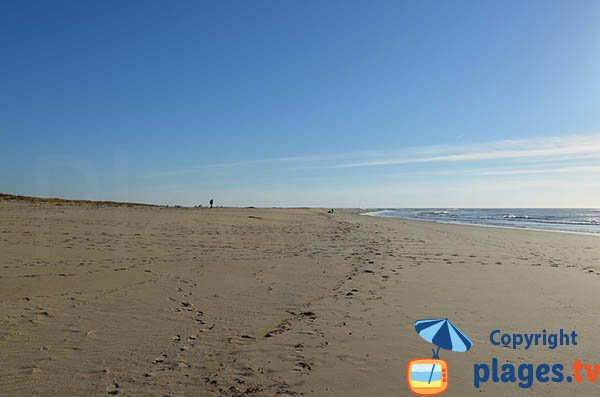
151 301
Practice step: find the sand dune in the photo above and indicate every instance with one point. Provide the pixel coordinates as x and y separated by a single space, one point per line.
151 301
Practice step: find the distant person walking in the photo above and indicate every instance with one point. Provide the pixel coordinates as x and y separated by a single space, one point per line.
211 203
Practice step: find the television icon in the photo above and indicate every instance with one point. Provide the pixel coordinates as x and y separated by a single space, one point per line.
427 376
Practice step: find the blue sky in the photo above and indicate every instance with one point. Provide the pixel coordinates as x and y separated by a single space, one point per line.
273 103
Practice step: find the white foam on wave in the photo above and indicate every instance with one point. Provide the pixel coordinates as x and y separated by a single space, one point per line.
378 213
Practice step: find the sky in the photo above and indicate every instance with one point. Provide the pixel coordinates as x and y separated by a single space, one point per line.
306 103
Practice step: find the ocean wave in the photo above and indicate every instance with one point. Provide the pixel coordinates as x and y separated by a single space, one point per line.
435 213
511 216
564 222
578 220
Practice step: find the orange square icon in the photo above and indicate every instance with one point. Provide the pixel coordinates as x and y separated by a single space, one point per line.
427 376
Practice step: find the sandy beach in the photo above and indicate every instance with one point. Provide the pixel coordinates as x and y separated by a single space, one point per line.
100 300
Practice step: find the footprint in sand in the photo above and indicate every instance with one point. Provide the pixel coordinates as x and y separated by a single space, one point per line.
303 367
160 359
113 389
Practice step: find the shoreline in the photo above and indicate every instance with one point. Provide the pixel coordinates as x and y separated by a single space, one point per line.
481 225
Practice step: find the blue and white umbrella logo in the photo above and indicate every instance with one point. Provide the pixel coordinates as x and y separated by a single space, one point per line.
442 333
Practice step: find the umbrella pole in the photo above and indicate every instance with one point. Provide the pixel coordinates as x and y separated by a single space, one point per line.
431 374
435 355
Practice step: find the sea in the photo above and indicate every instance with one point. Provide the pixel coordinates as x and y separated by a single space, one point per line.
576 220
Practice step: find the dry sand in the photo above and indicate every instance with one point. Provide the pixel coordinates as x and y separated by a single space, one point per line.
149 301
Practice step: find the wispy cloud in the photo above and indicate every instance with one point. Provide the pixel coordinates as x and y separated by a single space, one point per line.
551 170
553 147
500 153
542 171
